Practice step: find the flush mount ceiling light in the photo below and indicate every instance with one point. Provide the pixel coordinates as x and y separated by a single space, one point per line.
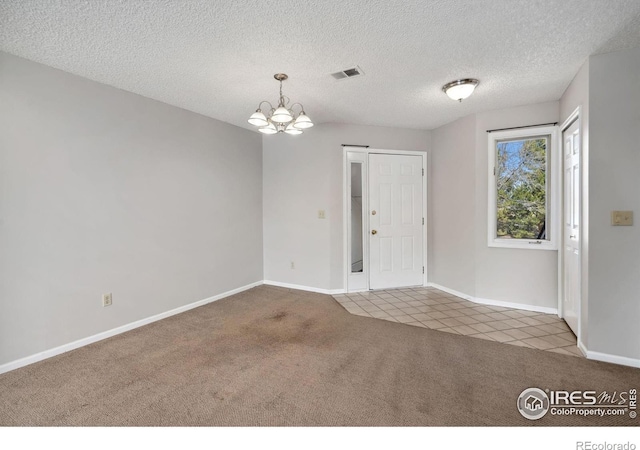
280 119
460 89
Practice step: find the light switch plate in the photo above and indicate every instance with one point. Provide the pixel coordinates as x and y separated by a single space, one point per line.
621 218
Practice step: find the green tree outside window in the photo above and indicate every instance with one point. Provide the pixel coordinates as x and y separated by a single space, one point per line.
521 189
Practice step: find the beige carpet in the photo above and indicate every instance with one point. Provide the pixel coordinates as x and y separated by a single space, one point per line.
273 356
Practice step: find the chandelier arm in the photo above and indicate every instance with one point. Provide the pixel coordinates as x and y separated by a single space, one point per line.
268 103
299 104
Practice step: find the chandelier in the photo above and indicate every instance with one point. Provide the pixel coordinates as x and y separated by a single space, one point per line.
282 118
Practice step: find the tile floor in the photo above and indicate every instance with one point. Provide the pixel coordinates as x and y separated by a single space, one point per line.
431 308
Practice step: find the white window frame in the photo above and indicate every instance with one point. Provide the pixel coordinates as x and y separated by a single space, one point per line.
553 188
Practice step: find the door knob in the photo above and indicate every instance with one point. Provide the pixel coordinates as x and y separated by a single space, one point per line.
374 232
373 213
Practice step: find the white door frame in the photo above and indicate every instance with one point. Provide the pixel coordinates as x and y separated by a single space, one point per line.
575 115
346 207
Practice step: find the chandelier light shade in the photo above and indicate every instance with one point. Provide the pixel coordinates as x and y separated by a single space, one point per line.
269 128
281 119
460 89
291 129
258 119
303 121
281 115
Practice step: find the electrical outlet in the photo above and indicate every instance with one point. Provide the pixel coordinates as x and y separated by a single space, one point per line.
107 300
293 265
321 214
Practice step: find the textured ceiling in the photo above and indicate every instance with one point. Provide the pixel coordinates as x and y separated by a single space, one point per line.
218 57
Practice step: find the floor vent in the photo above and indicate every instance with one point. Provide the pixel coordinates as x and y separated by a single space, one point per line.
348 73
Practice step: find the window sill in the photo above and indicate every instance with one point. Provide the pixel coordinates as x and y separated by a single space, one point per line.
523 244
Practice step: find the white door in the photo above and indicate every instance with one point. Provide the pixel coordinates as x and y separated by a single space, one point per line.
571 224
395 221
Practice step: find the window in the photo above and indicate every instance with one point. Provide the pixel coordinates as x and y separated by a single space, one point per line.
523 188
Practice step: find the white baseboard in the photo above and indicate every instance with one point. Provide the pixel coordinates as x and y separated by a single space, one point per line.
304 288
109 333
534 308
451 291
486 301
582 348
615 359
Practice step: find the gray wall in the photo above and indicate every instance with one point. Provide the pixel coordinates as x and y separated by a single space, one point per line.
303 174
460 257
102 191
577 95
614 184
452 262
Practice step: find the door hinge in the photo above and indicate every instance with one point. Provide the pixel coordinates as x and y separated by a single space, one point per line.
494 171
423 221
422 172
422 269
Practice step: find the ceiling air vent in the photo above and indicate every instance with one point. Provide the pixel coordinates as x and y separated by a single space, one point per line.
348 73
